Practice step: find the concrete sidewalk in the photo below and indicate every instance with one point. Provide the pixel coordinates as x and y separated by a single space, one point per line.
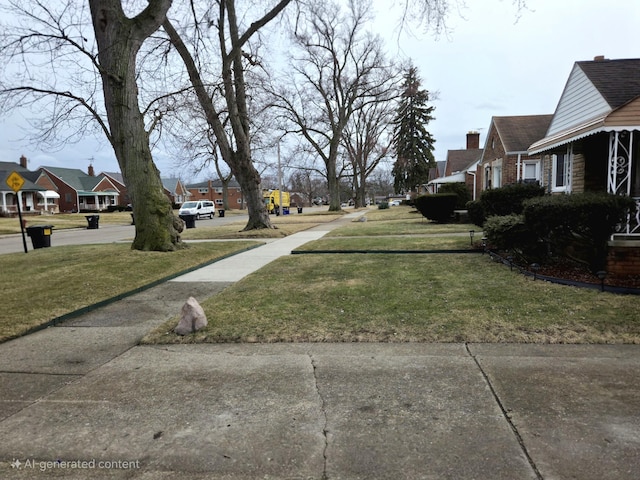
83 400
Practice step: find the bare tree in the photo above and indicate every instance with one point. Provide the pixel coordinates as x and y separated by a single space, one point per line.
335 66
368 135
231 43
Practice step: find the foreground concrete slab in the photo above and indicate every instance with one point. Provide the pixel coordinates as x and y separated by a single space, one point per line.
181 411
414 417
577 408
19 390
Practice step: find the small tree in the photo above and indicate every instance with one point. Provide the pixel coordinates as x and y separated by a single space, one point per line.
413 143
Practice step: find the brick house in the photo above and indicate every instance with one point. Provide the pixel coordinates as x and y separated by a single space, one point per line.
460 166
117 179
82 192
37 195
593 144
505 158
175 190
213 190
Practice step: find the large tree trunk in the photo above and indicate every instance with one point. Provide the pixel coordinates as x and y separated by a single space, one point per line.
119 39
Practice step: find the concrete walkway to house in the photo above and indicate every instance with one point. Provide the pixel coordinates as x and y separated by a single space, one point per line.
83 400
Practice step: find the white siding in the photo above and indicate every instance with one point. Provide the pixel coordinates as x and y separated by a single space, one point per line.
579 103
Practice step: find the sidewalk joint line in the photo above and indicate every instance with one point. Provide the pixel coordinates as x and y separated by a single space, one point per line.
324 414
505 414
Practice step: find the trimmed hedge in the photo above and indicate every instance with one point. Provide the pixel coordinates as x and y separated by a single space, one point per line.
437 207
578 225
502 201
460 189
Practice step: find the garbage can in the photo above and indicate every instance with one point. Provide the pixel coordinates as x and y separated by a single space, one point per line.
299 209
285 210
221 213
189 220
40 235
92 221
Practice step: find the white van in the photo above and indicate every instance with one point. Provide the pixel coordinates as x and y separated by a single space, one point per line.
200 208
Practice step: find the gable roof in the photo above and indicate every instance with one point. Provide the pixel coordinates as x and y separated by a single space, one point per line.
75 178
6 168
517 133
117 176
618 81
170 184
593 91
459 160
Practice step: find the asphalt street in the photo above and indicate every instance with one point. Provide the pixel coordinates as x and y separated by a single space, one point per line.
104 234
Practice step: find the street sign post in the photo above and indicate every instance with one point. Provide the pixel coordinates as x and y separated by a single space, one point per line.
15 182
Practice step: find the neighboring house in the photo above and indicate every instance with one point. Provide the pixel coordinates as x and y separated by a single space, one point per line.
81 191
593 144
212 190
460 166
118 180
175 190
505 158
36 195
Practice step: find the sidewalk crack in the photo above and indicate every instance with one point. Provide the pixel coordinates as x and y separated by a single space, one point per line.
506 415
324 415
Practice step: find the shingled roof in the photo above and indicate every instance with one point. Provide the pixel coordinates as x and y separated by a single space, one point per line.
618 81
518 132
75 178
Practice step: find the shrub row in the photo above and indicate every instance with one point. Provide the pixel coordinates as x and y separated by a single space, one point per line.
502 201
577 226
438 207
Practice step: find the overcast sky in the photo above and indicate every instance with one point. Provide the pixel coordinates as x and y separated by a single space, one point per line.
494 61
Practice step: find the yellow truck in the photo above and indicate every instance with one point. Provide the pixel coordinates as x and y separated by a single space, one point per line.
272 201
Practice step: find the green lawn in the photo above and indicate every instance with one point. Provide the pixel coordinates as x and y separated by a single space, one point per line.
407 297
56 281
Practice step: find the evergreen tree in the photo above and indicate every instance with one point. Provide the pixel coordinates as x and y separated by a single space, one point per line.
412 142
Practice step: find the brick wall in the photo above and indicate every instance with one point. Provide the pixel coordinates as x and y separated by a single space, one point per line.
623 258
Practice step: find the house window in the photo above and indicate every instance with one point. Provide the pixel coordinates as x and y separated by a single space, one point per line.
496 174
203 190
219 191
487 177
560 181
531 172
219 201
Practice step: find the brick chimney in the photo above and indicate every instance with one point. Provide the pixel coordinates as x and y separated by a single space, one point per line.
599 58
23 161
91 172
473 140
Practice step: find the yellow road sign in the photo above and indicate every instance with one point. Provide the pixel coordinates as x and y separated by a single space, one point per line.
15 181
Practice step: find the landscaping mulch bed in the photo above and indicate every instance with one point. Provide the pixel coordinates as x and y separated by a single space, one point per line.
565 269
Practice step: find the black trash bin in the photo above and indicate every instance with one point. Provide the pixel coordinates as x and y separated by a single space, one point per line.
221 213
92 221
40 235
189 220
299 209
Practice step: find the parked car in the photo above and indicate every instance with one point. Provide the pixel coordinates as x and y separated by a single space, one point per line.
200 208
